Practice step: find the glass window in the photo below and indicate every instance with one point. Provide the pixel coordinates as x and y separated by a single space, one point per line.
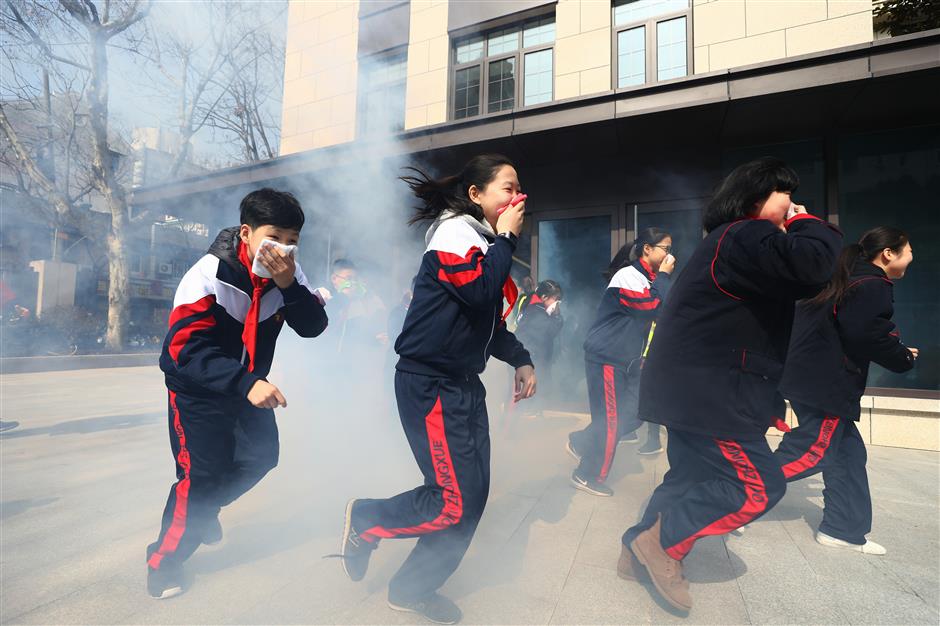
538 77
467 92
627 11
538 32
574 252
890 179
502 85
671 51
382 94
469 49
503 41
631 57
498 56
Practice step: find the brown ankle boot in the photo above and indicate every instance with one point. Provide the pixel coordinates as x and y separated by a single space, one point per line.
665 571
629 568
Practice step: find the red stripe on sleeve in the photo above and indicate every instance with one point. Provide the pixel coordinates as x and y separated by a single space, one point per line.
640 306
463 277
183 335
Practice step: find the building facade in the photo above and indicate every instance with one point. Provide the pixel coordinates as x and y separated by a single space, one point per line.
620 115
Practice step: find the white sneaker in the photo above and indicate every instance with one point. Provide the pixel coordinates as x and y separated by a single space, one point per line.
739 532
869 547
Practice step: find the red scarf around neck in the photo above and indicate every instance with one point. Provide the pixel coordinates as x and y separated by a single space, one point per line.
250 332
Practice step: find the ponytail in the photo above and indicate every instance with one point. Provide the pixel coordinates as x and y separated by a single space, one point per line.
633 251
452 193
871 244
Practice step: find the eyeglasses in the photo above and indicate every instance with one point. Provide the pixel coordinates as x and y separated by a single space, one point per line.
667 249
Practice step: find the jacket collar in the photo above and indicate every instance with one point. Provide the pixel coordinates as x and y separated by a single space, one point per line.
644 269
867 268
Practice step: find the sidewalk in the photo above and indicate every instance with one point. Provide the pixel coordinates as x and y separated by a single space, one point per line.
85 476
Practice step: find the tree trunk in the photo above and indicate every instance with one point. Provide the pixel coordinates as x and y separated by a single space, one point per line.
118 288
105 178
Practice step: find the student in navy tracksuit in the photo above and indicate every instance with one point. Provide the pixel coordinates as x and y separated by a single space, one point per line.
539 324
835 337
715 362
455 322
216 357
639 278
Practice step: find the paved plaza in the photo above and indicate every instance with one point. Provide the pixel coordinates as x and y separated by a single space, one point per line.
85 476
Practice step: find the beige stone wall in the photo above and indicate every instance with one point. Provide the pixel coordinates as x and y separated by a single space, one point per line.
582 47
896 422
320 73
428 58
732 33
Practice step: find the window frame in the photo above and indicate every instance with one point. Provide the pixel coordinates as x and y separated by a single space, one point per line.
650 41
362 92
484 61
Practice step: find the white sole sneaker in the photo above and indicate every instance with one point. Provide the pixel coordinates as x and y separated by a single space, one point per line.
570 450
586 488
869 547
172 592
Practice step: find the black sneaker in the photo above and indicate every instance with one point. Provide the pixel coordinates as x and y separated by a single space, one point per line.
165 582
569 447
591 486
356 550
212 533
629 438
650 447
435 608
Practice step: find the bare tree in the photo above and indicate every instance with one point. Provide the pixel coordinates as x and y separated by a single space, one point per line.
72 40
221 78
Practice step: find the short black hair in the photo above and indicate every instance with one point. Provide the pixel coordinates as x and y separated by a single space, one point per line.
270 207
746 185
344 264
548 288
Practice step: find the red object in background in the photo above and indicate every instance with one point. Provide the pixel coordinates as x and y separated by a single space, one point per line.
7 295
515 200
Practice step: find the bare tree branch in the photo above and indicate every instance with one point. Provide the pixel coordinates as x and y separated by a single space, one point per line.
40 42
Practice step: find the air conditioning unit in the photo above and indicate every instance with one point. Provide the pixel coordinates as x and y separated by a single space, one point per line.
165 268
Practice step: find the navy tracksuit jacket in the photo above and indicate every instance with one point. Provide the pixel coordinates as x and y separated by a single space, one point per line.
824 379
453 325
223 328
713 368
612 354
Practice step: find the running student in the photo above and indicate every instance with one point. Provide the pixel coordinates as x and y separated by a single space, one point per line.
216 357
835 337
540 323
454 323
639 277
715 362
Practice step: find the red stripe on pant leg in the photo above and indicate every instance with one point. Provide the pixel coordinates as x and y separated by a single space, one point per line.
446 478
816 452
171 539
755 499
610 404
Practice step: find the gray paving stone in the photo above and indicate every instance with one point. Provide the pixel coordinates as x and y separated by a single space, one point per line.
84 479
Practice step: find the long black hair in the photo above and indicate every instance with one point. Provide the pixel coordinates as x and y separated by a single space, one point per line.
745 186
871 244
453 192
632 251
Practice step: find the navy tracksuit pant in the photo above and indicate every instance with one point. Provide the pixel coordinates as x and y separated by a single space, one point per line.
222 448
446 424
833 446
613 394
713 487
